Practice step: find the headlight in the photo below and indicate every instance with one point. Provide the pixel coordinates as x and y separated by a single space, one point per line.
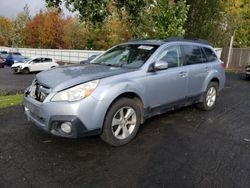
77 92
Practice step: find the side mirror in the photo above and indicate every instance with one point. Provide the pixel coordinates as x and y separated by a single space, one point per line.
158 65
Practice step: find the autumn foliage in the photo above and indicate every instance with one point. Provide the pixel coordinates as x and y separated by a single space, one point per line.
45 30
51 29
100 25
5 28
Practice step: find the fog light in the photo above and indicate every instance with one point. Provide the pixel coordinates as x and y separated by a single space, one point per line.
66 127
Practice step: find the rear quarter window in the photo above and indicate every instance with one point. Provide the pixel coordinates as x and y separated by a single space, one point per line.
211 56
47 60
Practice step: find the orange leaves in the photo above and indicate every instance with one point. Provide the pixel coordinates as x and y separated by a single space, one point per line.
5 30
45 30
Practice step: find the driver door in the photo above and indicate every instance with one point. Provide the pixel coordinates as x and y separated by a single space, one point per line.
167 86
36 64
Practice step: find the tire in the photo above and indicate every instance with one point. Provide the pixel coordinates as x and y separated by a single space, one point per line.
14 71
26 71
208 102
115 125
247 77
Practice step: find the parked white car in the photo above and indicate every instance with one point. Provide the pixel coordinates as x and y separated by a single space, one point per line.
34 64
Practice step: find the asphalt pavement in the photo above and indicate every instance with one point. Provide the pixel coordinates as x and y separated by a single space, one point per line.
12 83
183 148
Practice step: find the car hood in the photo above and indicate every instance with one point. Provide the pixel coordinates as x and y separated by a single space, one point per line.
17 64
63 77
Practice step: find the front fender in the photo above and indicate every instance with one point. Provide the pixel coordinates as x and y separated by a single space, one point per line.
25 66
111 91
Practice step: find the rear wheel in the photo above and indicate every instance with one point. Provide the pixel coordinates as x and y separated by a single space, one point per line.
247 76
26 71
209 97
122 122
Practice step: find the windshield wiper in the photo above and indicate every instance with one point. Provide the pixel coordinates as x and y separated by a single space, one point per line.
110 65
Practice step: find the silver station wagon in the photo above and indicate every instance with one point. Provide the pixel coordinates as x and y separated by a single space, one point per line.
117 91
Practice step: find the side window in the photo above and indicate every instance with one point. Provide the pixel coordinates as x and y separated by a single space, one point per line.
37 60
48 59
192 55
211 56
172 55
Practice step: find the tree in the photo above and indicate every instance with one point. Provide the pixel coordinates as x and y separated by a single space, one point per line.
93 11
163 19
134 9
169 21
18 27
75 34
238 21
32 31
5 30
45 30
205 20
97 11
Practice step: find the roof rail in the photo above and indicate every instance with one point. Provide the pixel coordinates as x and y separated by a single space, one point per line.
172 39
143 39
182 39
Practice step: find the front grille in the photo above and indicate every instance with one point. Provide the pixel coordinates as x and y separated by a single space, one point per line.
38 91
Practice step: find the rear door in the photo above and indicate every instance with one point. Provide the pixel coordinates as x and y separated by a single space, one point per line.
47 63
195 60
167 86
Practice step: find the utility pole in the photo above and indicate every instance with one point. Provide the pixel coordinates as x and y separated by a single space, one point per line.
230 50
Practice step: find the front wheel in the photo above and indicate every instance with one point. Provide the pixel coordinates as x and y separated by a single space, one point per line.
26 71
14 71
122 122
209 97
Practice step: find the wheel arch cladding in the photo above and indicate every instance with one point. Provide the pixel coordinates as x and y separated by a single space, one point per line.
132 95
213 77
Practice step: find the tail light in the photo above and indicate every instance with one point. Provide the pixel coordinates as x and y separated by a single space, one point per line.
222 64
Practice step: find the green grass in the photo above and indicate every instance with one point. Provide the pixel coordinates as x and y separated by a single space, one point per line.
10 100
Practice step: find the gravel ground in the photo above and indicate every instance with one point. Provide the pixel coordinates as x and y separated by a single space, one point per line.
184 148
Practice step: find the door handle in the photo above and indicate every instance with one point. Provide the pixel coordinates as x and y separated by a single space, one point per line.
183 73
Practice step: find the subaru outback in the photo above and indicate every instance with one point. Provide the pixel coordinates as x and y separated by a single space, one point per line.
116 92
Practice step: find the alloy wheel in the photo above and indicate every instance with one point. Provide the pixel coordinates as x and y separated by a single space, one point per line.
124 122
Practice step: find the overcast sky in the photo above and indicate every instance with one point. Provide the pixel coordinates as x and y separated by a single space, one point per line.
10 8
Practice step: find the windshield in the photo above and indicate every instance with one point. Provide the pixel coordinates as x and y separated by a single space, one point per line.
27 60
129 55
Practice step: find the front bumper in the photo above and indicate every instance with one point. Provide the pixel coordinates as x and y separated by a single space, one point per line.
16 69
50 115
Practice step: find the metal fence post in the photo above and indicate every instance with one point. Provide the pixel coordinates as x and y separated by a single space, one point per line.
240 57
